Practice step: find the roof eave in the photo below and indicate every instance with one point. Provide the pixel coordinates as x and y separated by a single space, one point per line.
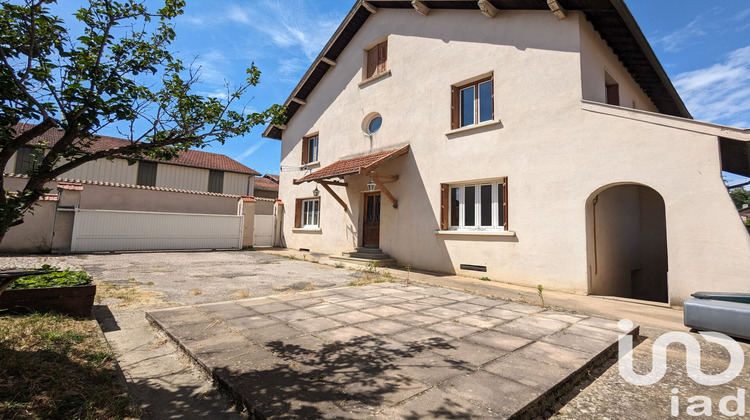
640 38
319 59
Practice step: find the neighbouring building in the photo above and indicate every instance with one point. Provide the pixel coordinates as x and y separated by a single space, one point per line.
192 170
267 186
199 200
442 132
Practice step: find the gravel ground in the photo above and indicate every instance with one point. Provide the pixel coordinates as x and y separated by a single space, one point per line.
190 278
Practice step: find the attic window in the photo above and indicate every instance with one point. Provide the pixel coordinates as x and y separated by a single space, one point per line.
216 182
147 174
612 90
28 159
376 59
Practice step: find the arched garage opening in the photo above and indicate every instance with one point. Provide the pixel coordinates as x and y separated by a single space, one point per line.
627 243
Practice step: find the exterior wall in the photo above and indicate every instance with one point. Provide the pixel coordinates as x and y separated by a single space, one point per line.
181 177
237 184
266 194
116 171
11 166
101 197
596 57
550 149
34 235
264 207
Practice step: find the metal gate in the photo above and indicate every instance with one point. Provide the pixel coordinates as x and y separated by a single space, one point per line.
265 227
112 230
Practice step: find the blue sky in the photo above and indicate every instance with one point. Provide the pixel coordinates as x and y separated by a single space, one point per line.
704 47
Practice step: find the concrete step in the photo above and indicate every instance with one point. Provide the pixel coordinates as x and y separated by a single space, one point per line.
390 262
366 255
369 250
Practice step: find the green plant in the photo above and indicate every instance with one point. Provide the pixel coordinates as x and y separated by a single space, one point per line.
339 265
747 221
540 291
484 278
387 274
408 273
55 278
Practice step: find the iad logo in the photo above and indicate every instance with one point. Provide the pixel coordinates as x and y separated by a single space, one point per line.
700 405
693 357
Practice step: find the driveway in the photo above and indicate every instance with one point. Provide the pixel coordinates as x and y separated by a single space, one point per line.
159 377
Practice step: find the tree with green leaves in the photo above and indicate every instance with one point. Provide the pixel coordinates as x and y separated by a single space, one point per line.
740 196
112 69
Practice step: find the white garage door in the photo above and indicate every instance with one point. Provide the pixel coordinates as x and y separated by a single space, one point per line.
110 230
264 229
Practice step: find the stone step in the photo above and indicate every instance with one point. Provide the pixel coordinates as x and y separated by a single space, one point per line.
365 261
366 255
369 250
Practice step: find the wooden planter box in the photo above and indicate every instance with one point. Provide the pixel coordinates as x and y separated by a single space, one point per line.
72 300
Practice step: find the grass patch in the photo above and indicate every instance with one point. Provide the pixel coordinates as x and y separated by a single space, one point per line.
484 278
370 278
56 367
241 294
129 295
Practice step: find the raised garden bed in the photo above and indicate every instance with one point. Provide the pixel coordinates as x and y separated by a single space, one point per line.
65 292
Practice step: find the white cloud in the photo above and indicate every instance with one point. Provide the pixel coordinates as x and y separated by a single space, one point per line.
250 150
289 24
719 93
680 38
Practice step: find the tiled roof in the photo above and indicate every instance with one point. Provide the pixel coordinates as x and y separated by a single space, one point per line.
348 166
266 184
192 158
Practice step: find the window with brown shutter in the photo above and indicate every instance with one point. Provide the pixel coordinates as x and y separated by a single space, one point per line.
611 90
444 210
310 149
298 213
473 103
376 60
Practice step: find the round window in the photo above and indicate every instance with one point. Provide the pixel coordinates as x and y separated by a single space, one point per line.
373 125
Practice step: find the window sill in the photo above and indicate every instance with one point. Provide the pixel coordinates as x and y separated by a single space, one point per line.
507 233
311 165
307 230
473 127
374 78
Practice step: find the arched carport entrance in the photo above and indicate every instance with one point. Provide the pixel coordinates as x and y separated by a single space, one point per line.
627 243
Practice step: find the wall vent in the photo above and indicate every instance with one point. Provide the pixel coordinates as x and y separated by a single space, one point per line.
304 249
470 267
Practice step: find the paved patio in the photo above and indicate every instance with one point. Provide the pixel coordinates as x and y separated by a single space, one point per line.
389 350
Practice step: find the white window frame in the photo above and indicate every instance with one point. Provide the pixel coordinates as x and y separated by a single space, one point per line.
310 218
476 103
497 203
312 149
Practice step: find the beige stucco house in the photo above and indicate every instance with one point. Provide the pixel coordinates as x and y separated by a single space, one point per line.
443 132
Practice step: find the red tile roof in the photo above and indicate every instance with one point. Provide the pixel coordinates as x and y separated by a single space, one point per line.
266 184
350 166
192 158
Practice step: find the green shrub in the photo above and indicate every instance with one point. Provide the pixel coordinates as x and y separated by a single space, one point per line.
55 278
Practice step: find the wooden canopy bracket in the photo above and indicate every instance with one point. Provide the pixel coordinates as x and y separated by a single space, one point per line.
385 190
487 8
420 7
326 186
557 9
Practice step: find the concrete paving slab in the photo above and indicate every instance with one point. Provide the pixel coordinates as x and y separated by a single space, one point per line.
331 361
532 327
383 326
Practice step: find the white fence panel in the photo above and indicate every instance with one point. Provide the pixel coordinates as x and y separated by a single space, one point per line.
110 230
265 226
